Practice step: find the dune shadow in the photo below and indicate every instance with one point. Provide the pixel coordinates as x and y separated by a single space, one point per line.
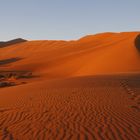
137 42
16 74
13 78
9 61
12 42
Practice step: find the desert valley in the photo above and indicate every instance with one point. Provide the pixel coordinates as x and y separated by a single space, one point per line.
85 89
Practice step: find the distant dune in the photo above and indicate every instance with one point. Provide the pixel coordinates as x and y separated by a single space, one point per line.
85 89
12 42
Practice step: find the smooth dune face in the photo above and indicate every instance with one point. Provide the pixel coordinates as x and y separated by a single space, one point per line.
108 53
87 89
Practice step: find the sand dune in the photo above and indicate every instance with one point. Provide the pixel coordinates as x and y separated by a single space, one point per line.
86 89
11 42
96 54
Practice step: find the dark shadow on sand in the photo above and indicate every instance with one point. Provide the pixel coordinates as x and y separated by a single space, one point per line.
12 42
16 76
9 61
137 42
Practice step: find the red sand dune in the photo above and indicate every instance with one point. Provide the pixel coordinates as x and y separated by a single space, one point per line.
107 53
83 89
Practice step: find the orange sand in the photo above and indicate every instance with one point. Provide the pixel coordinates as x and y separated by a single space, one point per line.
83 89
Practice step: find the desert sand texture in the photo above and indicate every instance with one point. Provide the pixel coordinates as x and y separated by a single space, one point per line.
86 89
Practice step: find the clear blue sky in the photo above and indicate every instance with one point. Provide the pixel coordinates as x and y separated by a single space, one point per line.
66 19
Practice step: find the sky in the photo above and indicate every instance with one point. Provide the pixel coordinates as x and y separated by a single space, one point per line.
66 19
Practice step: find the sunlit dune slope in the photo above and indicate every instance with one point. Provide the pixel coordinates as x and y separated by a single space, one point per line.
106 53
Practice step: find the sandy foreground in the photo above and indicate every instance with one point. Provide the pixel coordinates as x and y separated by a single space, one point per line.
87 89
78 108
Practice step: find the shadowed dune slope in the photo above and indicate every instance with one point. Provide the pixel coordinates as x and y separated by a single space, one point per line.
106 53
12 42
137 42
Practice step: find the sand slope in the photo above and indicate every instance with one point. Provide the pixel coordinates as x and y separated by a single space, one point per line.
96 54
11 42
88 89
